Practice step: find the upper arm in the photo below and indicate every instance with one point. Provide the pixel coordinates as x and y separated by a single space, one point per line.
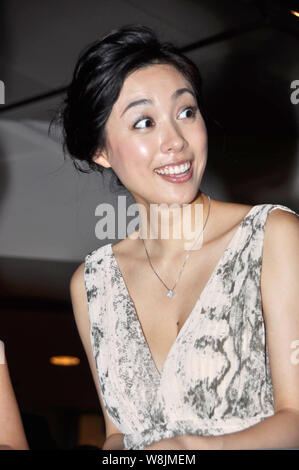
80 309
280 299
11 426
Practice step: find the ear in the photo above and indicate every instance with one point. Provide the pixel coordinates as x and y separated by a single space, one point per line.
100 158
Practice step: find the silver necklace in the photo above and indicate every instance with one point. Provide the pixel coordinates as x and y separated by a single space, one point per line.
170 292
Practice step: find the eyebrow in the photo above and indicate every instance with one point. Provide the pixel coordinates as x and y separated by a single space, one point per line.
174 96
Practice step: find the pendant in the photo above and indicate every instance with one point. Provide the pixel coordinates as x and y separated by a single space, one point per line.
170 293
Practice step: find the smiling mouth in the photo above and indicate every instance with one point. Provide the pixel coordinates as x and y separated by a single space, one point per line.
179 175
174 170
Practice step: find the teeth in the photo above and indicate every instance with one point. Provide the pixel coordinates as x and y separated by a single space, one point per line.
175 170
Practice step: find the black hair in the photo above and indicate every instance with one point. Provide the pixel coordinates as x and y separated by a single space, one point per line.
99 74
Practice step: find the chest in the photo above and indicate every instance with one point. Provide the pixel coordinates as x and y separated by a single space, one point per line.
161 318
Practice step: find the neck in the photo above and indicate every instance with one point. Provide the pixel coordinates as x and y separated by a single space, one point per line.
170 231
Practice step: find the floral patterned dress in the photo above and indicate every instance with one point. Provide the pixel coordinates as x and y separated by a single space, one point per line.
216 378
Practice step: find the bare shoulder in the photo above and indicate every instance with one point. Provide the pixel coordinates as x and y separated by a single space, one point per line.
280 263
77 285
78 292
280 224
281 245
279 216
228 215
231 209
281 227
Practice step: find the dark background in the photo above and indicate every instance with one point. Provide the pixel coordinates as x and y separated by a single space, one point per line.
247 52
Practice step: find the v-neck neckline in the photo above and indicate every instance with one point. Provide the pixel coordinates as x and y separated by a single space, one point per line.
197 302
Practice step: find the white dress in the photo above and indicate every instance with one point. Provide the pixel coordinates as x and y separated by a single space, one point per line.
216 378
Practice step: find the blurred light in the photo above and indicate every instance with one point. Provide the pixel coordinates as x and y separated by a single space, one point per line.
295 13
64 360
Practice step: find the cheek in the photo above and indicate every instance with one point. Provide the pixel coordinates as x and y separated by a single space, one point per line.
128 152
200 147
201 135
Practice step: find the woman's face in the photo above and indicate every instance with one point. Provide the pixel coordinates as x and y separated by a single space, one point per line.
165 127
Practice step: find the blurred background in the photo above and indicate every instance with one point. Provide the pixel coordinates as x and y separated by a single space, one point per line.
247 53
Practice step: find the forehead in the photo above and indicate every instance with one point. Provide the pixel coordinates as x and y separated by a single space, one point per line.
151 79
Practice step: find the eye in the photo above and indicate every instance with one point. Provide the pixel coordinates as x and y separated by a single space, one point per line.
147 119
143 118
193 111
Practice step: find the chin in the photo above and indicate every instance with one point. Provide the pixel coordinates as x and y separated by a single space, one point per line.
186 198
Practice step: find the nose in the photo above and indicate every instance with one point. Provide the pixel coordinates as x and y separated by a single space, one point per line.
172 140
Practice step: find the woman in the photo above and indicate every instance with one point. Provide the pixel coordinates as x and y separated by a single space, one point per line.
12 436
175 331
